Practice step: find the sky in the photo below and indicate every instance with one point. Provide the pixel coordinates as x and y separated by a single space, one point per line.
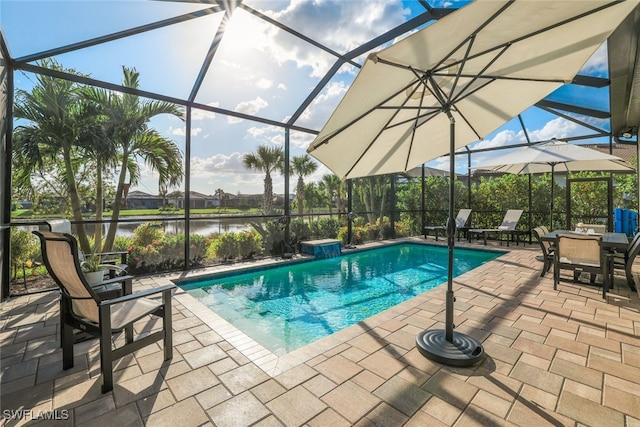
258 70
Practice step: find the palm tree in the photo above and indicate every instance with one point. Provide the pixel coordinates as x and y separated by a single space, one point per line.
57 120
371 191
126 126
333 187
311 196
302 166
266 159
221 195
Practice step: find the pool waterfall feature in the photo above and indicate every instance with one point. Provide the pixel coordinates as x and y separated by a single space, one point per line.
322 249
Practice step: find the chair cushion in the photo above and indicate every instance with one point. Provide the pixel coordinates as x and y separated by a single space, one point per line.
578 262
130 311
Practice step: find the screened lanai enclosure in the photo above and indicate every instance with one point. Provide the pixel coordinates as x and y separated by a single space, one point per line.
177 131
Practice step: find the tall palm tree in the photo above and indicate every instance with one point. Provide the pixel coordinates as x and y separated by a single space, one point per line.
126 125
312 196
333 187
372 191
266 159
221 196
57 120
302 166
101 153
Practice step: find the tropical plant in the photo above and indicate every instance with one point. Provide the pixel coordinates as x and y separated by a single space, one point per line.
92 262
268 160
312 196
24 247
372 193
302 166
222 196
57 122
333 188
147 233
125 125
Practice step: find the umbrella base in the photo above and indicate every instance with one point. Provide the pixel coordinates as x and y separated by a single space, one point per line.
462 351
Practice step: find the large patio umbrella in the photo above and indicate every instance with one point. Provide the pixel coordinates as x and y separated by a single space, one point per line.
555 156
453 83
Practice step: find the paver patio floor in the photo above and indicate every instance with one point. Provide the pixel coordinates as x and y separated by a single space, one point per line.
564 357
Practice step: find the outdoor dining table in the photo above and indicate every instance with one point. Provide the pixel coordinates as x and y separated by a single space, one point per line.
610 241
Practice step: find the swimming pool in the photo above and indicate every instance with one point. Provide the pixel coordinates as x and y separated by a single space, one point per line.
289 306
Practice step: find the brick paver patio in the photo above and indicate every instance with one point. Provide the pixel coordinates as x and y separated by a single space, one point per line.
563 357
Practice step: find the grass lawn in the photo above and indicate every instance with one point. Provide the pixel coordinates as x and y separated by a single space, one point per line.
28 214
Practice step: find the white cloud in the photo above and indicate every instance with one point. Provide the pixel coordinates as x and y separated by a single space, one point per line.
263 83
198 114
598 63
557 128
183 131
249 107
217 163
323 105
352 24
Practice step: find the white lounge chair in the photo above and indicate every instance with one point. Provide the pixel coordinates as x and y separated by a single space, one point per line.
508 227
461 225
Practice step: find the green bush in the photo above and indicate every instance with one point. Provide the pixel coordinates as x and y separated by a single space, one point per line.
224 247
24 248
242 245
325 228
122 243
249 244
147 233
274 238
165 253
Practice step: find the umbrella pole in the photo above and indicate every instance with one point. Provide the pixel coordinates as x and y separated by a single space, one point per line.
451 230
553 165
446 346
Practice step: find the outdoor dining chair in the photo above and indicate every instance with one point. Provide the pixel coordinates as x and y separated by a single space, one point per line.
81 307
580 253
624 261
508 228
546 247
461 225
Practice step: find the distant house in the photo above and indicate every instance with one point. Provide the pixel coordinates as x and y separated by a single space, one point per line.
197 201
140 200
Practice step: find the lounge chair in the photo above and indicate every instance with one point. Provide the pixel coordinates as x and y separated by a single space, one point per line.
82 308
581 253
508 227
461 225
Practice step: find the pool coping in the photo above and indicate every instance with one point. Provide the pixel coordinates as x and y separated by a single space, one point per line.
273 364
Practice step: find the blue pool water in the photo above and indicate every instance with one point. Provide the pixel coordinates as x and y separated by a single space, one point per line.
289 306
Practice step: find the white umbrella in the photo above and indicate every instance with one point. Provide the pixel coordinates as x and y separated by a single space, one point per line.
453 83
555 156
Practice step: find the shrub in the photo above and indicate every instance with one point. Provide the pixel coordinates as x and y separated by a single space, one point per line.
225 247
358 235
249 244
242 245
166 254
325 228
274 238
24 247
147 233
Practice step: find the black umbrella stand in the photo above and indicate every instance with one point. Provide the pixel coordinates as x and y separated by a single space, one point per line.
446 346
